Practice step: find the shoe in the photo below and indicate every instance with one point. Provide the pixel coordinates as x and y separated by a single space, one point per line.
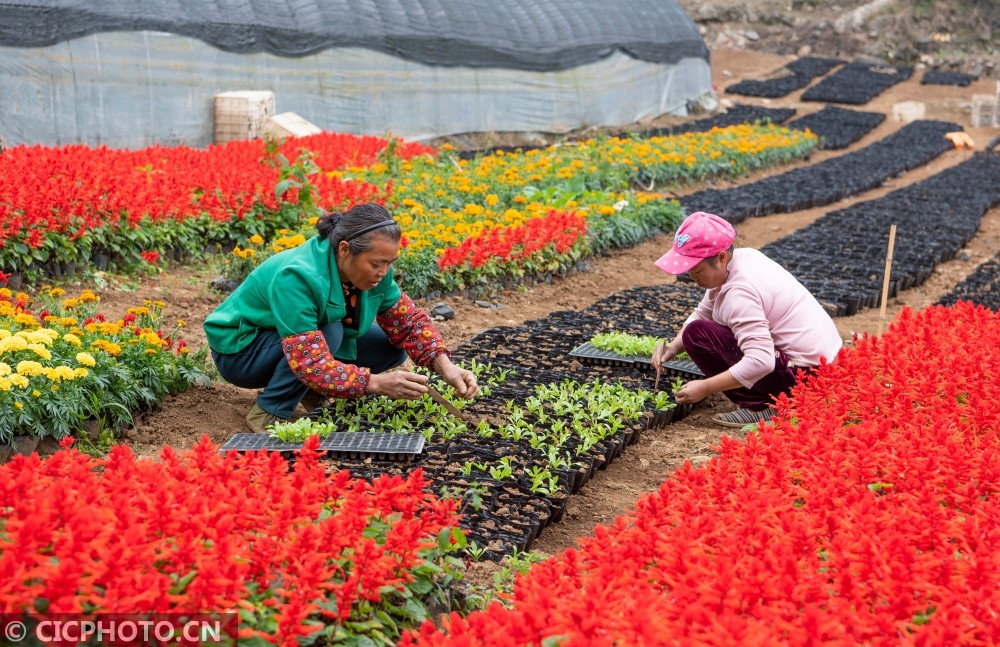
312 400
744 417
259 420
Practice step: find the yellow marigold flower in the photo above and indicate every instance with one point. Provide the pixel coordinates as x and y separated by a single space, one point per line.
71 303
151 351
86 359
57 292
25 319
36 393
605 210
19 381
108 347
6 293
181 323
257 239
4 333
68 321
492 199
12 344
50 318
80 372
40 350
4 369
139 312
474 209
72 340
88 296
4 384
29 368
18 406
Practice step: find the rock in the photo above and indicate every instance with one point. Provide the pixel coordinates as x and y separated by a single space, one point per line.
752 35
708 12
484 304
800 23
442 310
433 296
805 50
437 318
224 285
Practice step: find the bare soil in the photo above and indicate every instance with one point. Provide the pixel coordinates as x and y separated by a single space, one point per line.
218 411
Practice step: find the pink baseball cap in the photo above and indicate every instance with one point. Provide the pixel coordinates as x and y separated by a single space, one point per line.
700 236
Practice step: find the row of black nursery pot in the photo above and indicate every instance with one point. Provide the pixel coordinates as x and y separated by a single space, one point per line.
981 287
841 256
939 77
857 83
796 75
834 179
838 127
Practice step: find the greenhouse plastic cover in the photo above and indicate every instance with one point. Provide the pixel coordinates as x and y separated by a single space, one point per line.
517 34
134 89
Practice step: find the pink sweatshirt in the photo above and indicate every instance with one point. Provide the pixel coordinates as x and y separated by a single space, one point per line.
767 308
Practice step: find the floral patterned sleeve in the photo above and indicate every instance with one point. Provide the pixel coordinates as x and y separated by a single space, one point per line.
312 362
409 328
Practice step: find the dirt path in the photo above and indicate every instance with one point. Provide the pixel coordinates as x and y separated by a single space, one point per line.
218 410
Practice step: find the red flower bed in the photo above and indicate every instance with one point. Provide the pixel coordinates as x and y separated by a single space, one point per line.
869 514
560 229
201 532
65 194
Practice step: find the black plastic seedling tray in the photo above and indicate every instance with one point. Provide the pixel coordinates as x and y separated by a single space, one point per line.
350 445
586 353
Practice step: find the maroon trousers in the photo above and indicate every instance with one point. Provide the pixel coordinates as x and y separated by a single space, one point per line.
713 348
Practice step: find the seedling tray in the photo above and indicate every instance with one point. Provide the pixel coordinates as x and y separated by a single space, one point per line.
684 369
588 354
349 445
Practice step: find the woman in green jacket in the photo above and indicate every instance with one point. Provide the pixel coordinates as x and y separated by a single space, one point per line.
327 320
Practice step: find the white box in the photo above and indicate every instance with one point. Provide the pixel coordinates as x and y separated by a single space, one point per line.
908 111
289 124
984 111
241 115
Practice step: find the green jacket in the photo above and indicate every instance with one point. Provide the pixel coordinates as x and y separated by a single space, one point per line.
295 291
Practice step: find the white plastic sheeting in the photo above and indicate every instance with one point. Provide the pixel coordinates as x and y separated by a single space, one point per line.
133 89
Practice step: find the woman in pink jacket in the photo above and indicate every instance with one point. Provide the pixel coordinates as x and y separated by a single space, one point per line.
755 328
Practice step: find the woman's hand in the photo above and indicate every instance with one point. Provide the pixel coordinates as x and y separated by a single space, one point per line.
398 385
461 379
693 391
666 352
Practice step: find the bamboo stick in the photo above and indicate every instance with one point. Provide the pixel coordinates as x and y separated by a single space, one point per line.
885 280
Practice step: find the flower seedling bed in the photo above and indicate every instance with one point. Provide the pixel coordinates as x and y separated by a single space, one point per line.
980 287
957 79
839 127
840 257
834 179
798 75
738 114
857 83
386 446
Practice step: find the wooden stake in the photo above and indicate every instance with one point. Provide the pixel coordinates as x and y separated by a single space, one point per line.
885 280
656 385
452 409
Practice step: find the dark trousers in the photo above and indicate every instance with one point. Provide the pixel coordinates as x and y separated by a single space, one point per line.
262 364
713 348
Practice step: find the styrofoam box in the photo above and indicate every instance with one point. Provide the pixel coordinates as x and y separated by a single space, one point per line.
241 114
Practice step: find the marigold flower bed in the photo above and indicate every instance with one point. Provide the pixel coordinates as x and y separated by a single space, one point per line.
294 552
868 514
62 364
